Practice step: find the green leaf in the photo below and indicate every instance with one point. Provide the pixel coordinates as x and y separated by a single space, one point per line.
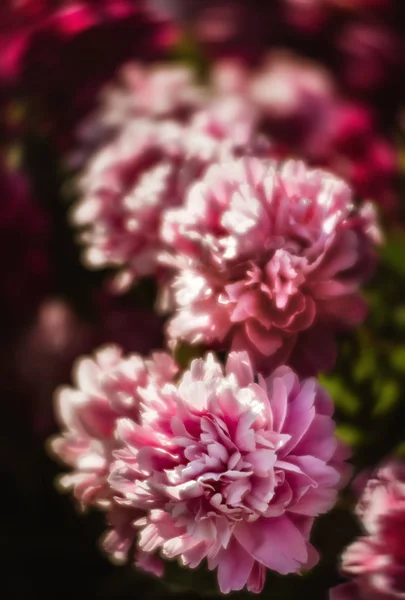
350 434
393 253
397 359
399 316
389 391
342 396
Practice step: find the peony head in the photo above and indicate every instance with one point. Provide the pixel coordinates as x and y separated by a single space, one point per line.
230 468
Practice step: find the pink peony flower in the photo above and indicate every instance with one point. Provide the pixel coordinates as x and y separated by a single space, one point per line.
299 107
147 168
296 99
157 92
376 561
357 151
230 469
106 388
125 188
269 257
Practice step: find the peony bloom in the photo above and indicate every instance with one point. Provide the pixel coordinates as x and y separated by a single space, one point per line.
298 106
295 98
147 167
126 187
358 152
160 90
269 257
157 92
107 387
230 469
376 561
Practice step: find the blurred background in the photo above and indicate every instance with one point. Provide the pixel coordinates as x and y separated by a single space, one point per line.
329 81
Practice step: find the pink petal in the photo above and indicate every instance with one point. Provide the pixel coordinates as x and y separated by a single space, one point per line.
149 563
239 364
234 567
266 342
256 579
275 543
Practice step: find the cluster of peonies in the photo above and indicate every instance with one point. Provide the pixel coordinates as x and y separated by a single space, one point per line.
214 464
259 258
251 253
376 561
157 131
255 256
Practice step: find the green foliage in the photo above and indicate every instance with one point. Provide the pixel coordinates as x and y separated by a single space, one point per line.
394 253
368 382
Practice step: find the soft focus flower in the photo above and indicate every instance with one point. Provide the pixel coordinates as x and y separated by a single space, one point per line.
147 168
269 257
228 126
369 56
376 561
296 106
358 41
42 357
295 99
107 387
230 470
24 240
62 55
301 110
158 92
359 153
125 188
